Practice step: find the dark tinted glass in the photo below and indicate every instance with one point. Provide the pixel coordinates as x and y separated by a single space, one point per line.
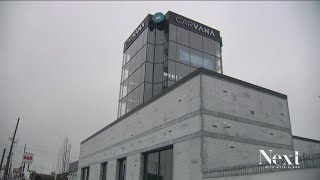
208 45
160 36
172 32
172 50
104 168
150 52
147 91
122 169
149 72
151 33
135 100
157 88
158 73
166 165
171 70
208 62
217 47
151 166
196 58
182 36
183 54
129 102
141 93
182 70
159 53
195 41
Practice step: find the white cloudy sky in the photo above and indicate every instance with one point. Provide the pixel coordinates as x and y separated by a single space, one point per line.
60 63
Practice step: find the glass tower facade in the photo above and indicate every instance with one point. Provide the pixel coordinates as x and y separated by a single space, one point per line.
158 54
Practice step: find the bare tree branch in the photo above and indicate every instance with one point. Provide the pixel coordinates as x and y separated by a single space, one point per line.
63 158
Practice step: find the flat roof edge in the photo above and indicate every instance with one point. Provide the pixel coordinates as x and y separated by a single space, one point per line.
182 81
306 139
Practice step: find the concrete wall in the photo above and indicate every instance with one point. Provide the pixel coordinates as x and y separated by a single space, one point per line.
306 146
239 121
173 118
211 123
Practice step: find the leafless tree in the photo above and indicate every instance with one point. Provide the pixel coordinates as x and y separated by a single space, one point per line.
64 156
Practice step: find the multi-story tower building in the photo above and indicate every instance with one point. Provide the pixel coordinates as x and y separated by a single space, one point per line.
180 118
162 50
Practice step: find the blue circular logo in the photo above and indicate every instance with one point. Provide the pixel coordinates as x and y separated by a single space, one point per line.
158 17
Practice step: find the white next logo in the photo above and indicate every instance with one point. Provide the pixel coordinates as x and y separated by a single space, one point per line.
279 157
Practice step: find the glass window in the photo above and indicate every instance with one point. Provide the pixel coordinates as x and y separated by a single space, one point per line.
193 69
160 36
129 102
123 106
195 41
183 54
147 91
182 70
217 47
104 167
159 53
172 32
182 36
208 62
158 73
137 76
85 173
132 65
149 70
141 93
139 42
144 53
172 50
171 70
157 88
208 45
124 59
134 48
138 59
218 65
166 164
130 83
143 69
135 99
159 165
151 33
145 33
196 58
150 52
170 83
152 166
124 88
122 169
125 72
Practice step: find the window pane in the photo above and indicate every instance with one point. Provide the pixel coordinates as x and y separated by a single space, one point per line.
125 72
208 45
160 36
158 73
208 62
144 54
138 59
195 41
151 35
152 166
170 83
172 32
123 106
145 35
104 171
166 165
130 83
157 88
171 70
135 100
172 50
182 36
150 52
139 42
217 47
143 69
124 88
149 70
122 169
196 58
137 76
182 70
129 102
147 91
183 54
159 54
132 65
141 93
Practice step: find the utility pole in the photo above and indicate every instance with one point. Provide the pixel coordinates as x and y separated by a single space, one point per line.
22 163
5 175
4 152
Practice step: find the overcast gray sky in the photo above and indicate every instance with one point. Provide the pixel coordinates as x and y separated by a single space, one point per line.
60 63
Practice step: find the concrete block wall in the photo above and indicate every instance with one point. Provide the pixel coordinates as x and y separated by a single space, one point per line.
238 121
173 118
187 160
306 146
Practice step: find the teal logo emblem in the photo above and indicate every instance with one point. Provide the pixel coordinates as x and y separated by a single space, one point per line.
158 17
